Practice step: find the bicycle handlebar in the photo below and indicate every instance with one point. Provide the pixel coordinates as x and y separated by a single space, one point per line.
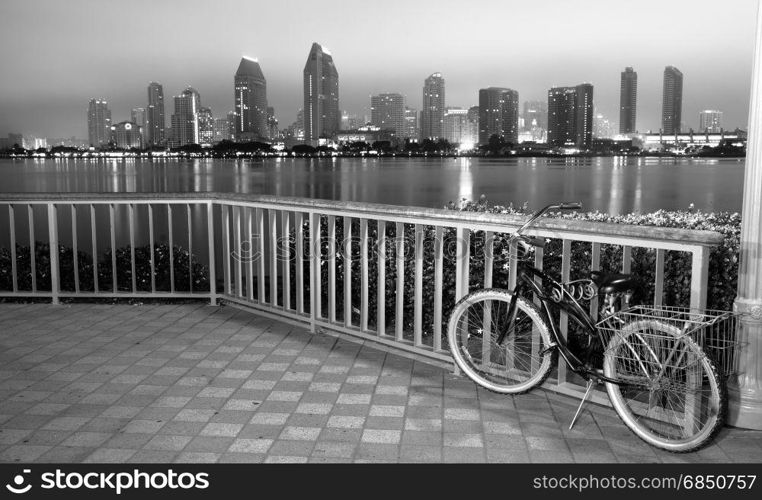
575 205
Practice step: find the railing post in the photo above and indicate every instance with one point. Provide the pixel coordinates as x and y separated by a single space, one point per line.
745 392
212 259
55 281
699 277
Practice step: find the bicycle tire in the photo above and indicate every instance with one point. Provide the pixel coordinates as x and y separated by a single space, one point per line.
668 375
524 361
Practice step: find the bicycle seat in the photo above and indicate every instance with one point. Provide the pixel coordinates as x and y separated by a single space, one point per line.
612 282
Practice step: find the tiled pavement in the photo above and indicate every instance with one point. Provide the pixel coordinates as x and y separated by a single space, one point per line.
195 383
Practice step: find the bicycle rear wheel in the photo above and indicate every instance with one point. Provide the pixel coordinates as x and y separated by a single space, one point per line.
517 364
670 394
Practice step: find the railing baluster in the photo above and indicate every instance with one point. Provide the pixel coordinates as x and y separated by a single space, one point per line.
462 258
260 222
299 263
212 259
273 225
32 248
190 248
131 221
438 278
332 268
539 256
347 271
171 249
659 285
315 277
112 228
699 277
563 322
238 251
55 269
399 311
513 263
75 247
595 265
152 248
489 257
248 255
364 274
381 281
225 212
626 259
285 243
93 235
12 227
418 294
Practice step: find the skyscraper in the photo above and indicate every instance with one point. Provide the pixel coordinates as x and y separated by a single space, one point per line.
411 124
710 120
138 116
205 126
272 124
628 102
570 116
321 95
432 114
672 101
498 114
154 129
185 118
387 111
455 126
98 122
535 115
250 101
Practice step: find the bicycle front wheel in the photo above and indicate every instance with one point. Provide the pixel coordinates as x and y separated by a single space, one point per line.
500 355
670 394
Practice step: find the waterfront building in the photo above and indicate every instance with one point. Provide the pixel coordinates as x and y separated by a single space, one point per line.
98 122
411 124
126 135
222 130
628 101
138 117
535 116
205 126
387 111
250 89
570 116
231 125
272 124
185 118
672 101
154 129
710 120
368 134
498 114
432 113
321 95
603 128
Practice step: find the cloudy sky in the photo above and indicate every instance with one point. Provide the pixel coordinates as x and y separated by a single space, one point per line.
58 54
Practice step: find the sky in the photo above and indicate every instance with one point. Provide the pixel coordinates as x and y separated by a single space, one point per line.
59 54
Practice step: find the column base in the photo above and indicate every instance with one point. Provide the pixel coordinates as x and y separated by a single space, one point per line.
744 410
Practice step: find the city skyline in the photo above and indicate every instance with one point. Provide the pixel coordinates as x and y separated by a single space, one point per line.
393 63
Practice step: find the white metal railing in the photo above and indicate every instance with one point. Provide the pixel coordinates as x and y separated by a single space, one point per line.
282 256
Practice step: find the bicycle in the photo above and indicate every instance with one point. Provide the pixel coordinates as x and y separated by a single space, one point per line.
660 381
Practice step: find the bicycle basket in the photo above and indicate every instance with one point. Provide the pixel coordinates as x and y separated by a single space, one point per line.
714 331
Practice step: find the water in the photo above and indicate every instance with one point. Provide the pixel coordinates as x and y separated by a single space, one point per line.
612 185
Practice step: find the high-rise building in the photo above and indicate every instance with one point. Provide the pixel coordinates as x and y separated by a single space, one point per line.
126 135
628 102
231 125
411 124
432 114
205 126
221 130
321 95
138 116
570 116
387 111
272 124
250 101
458 129
535 115
710 120
603 128
672 101
98 122
498 114
185 118
154 129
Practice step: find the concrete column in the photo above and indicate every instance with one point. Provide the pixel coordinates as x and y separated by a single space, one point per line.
746 390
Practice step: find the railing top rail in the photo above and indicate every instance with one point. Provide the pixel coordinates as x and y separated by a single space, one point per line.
380 211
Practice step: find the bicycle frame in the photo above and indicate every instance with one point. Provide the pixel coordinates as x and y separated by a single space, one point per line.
528 277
